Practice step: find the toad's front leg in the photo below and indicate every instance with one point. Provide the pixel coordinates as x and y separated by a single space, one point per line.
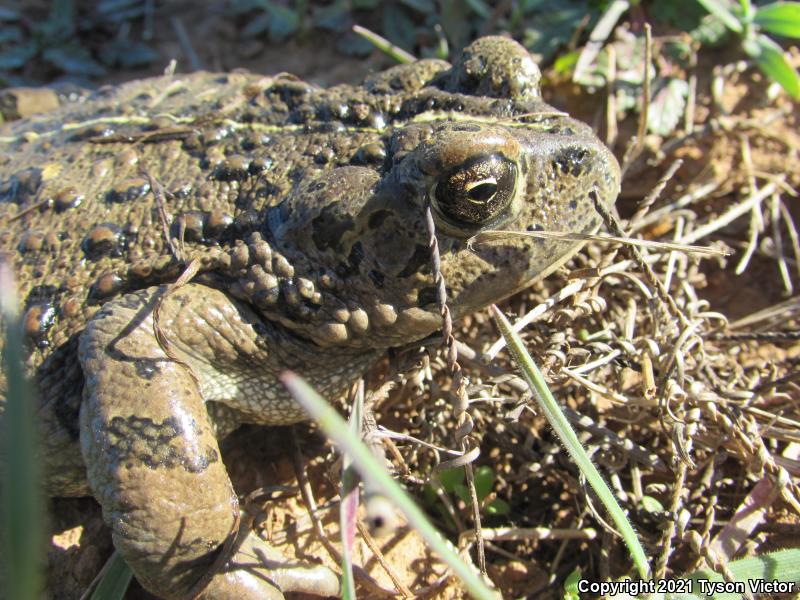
152 456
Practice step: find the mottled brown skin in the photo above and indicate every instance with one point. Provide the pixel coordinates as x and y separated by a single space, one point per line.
303 211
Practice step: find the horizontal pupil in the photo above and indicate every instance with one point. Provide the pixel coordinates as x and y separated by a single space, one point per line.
483 191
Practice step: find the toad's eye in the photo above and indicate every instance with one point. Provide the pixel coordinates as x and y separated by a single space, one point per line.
477 192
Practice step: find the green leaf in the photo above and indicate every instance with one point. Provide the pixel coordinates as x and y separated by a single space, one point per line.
256 26
119 11
352 44
480 8
425 7
333 17
683 15
780 18
747 10
571 585
109 7
7 14
73 59
116 579
565 63
651 505
553 26
62 17
450 478
461 491
455 22
484 481
711 32
10 33
498 508
721 10
678 50
281 22
127 54
666 107
16 56
771 59
398 27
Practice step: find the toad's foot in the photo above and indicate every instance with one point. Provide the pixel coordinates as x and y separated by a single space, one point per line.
151 450
256 571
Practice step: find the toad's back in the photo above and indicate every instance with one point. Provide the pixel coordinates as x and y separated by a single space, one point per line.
77 201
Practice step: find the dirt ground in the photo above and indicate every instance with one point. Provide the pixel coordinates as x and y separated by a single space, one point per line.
717 428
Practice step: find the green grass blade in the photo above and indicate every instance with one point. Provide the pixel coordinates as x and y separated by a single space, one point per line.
747 10
115 581
336 429
21 498
384 45
720 10
566 434
772 61
782 566
779 18
349 507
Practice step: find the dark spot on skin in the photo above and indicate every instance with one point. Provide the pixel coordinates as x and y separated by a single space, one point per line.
215 134
260 165
418 260
98 131
377 278
356 255
248 221
188 226
128 190
105 286
62 378
568 131
36 322
571 161
426 296
369 154
146 368
329 227
105 239
377 218
216 224
21 185
324 156
165 445
181 192
468 127
66 198
573 204
234 168
40 294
